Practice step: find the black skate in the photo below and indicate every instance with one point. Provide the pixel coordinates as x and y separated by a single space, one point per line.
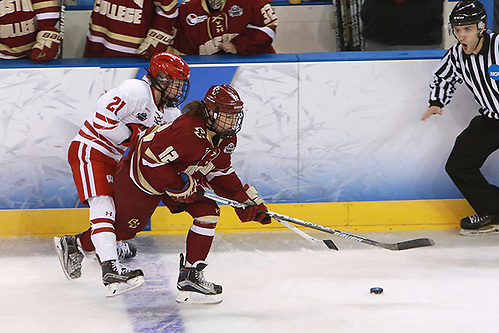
193 288
69 255
477 225
118 279
126 250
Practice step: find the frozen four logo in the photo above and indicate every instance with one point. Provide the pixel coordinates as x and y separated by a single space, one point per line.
235 11
229 149
494 72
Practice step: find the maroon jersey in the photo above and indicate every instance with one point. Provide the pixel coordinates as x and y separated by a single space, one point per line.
117 27
165 151
248 24
20 21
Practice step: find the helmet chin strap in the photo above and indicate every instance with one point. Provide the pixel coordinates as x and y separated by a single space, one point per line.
480 36
163 99
169 102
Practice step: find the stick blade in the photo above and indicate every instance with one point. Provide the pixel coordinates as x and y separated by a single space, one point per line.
414 243
329 243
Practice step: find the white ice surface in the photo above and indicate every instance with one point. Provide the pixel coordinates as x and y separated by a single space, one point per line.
273 282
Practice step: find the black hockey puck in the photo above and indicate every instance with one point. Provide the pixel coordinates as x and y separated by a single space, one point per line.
376 290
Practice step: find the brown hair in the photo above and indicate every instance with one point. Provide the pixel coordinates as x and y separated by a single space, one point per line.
195 108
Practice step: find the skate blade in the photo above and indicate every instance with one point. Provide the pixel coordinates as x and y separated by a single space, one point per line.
118 288
191 297
488 229
58 249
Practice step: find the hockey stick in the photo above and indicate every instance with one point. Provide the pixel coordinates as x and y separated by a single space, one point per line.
62 21
410 244
329 243
340 32
348 25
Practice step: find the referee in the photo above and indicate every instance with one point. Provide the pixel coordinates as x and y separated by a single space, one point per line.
474 60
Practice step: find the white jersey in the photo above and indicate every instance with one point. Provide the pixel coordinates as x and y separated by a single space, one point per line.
131 102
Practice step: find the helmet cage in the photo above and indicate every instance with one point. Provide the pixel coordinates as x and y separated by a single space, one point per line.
217 124
166 85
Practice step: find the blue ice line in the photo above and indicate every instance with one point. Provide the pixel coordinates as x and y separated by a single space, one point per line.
152 307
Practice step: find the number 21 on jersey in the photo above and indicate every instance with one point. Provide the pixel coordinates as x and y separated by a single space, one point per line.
116 105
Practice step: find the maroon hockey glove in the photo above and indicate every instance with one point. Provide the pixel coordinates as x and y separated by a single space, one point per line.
189 193
156 41
46 46
136 129
257 211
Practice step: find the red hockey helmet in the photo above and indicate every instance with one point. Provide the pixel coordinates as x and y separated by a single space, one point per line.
166 70
224 110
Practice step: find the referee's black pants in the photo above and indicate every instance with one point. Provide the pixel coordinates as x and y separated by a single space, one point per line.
472 147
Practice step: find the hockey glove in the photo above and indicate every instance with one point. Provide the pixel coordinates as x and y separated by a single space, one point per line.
46 46
257 211
155 41
136 129
188 193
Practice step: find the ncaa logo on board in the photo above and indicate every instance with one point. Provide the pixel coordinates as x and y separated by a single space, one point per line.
494 72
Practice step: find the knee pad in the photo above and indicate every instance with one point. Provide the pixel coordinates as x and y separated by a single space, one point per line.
102 208
205 225
207 220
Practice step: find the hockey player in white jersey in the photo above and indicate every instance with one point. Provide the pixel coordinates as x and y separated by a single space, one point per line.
93 154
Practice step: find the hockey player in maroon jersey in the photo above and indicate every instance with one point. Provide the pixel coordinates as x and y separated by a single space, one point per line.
28 30
242 27
170 163
125 28
100 143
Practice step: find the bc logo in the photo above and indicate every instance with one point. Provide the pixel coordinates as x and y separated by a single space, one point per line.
133 223
494 72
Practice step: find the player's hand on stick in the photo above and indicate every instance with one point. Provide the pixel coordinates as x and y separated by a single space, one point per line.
189 193
46 46
431 111
256 210
155 41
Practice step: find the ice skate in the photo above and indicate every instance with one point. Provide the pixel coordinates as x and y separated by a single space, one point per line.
478 225
118 279
69 255
193 288
126 250
488 229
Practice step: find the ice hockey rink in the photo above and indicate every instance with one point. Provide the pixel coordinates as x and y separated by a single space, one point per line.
273 282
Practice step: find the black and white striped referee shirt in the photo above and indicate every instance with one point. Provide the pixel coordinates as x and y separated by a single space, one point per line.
479 72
